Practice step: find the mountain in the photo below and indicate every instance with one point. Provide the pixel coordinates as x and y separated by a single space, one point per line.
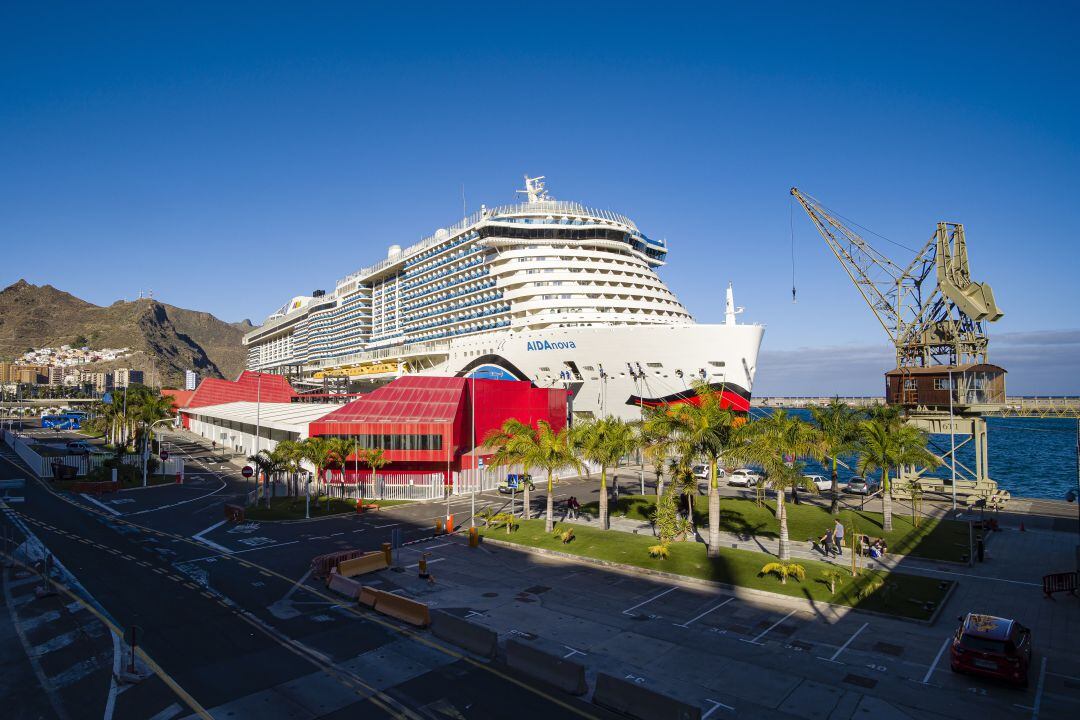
166 340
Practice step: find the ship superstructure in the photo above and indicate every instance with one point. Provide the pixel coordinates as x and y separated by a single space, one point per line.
545 290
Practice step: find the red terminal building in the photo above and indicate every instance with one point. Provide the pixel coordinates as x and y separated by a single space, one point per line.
428 424
423 424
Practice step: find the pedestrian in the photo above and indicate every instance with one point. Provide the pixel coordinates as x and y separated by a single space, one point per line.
826 542
838 537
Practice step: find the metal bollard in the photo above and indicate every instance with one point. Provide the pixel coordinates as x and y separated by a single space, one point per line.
388 552
474 537
422 567
450 523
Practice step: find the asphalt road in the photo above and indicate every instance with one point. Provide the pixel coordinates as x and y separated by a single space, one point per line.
212 620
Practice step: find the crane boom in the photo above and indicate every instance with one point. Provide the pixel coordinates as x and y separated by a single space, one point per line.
938 323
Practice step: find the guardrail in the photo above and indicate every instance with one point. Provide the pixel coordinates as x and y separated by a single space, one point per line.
83 465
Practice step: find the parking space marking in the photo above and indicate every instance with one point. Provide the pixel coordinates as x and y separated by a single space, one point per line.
844 647
692 620
715 705
1039 690
646 602
937 658
769 629
572 652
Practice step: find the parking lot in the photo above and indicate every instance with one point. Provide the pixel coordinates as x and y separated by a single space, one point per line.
728 654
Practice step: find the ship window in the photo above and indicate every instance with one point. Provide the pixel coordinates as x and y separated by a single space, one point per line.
655 364
546 369
716 363
588 367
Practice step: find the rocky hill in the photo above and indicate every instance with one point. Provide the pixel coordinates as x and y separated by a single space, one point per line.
167 340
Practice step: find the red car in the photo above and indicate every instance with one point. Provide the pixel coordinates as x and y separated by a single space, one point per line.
992 646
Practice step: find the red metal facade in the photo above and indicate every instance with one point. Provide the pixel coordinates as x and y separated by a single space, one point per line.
443 406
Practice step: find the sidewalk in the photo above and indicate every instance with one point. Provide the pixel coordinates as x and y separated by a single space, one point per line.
799 549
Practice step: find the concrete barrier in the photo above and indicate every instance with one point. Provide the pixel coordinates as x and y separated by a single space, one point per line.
477 639
404 609
366 563
321 565
567 675
368 596
638 701
343 585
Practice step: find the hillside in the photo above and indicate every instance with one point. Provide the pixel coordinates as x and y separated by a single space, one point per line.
167 340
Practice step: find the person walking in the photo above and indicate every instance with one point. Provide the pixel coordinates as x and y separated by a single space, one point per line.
826 542
838 537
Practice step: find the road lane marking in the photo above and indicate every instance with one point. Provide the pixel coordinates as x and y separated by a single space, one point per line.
769 629
844 647
429 562
715 704
100 504
692 620
198 537
937 658
1039 691
646 602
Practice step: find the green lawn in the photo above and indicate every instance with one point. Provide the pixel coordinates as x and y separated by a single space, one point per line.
934 539
293 508
903 595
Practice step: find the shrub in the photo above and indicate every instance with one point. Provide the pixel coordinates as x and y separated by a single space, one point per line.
784 571
660 551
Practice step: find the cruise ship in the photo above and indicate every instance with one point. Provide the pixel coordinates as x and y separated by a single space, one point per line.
544 290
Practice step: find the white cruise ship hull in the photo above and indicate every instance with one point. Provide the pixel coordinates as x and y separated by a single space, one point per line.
616 369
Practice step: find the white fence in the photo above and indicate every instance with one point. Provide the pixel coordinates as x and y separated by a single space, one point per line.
42 466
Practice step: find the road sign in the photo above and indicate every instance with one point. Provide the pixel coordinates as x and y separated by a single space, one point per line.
481 463
512 481
247 471
164 454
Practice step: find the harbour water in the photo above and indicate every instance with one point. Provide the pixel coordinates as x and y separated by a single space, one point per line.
1028 457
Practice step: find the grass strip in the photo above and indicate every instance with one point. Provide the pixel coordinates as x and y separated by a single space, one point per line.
934 539
294 508
910 596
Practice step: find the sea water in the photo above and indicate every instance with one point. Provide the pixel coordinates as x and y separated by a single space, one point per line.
1029 457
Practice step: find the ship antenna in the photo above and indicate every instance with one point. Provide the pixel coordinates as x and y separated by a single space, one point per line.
535 191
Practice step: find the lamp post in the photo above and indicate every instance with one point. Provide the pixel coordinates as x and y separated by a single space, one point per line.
952 440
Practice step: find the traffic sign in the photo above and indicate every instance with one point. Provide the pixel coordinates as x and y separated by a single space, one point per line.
247 471
164 454
512 481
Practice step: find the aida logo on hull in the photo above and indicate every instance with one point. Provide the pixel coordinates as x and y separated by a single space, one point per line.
547 345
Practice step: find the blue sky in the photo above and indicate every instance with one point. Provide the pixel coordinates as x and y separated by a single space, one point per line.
229 156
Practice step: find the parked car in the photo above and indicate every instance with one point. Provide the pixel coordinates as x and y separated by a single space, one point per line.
862 486
701 472
992 646
520 481
83 448
744 477
823 484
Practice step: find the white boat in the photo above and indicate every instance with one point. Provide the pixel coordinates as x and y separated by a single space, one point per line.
545 290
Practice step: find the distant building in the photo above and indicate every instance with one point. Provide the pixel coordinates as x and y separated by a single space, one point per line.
56 375
99 381
191 380
124 377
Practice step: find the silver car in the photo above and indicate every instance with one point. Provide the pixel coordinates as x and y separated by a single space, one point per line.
743 477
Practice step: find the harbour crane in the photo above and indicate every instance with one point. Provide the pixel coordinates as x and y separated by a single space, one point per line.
932 310
935 316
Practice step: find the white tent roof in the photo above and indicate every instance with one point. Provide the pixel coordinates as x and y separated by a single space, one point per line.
292 417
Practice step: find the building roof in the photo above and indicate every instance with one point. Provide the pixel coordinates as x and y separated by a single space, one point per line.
946 369
294 417
249 386
412 398
180 398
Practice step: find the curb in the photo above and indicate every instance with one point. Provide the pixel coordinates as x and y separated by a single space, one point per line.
736 590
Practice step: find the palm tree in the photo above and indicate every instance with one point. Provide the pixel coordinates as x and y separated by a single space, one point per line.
319 452
510 441
603 441
342 447
879 450
291 453
550 451
683 483
769 442
374 459
705 429
267 465
838 425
